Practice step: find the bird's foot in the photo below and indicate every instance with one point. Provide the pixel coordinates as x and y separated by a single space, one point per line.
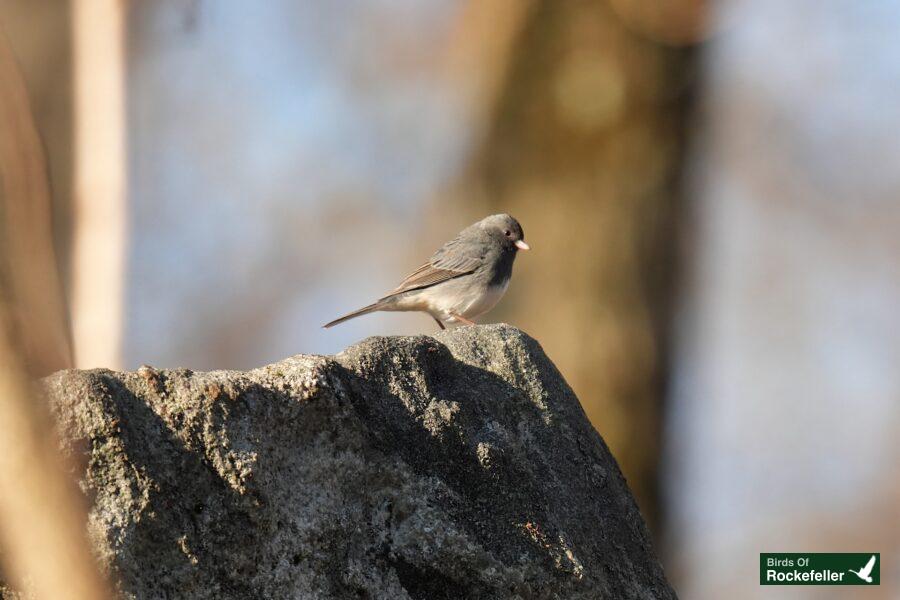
439 322
462 320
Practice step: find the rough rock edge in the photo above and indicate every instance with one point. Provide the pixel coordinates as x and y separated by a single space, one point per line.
492 469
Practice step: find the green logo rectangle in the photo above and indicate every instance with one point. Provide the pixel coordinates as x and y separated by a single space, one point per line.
820 568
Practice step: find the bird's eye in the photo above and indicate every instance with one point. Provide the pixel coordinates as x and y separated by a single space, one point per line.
507 233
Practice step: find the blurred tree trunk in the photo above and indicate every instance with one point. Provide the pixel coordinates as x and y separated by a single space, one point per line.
584 146
100 212
29 280
39 33
42 514
73 61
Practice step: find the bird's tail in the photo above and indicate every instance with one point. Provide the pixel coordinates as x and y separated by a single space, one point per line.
356 313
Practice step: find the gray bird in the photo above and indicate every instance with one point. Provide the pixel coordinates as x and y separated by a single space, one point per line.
464 279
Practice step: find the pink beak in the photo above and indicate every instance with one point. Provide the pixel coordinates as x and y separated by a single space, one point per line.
522 245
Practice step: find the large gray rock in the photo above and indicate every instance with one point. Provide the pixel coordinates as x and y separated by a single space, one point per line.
456 466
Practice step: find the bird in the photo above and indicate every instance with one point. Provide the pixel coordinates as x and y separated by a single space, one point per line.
462 280
866 572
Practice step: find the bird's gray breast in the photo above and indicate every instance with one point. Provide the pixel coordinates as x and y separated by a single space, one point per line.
500 268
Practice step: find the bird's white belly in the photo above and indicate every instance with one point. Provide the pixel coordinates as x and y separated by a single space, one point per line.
454 298
484 302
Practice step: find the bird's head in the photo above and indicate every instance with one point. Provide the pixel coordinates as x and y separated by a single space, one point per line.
506 230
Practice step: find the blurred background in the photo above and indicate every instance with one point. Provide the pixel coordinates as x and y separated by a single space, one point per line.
710 191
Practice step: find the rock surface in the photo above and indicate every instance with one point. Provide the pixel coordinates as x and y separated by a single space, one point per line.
457 466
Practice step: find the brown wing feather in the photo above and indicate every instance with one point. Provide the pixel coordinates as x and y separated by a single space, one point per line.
426 276
447 263
454 259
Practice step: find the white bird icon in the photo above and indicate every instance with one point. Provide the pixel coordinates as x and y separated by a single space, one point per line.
865 572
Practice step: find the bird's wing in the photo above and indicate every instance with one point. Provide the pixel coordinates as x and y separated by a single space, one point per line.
868 568
451 261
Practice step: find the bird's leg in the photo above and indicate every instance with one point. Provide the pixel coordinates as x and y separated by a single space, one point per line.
439 322
462 320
